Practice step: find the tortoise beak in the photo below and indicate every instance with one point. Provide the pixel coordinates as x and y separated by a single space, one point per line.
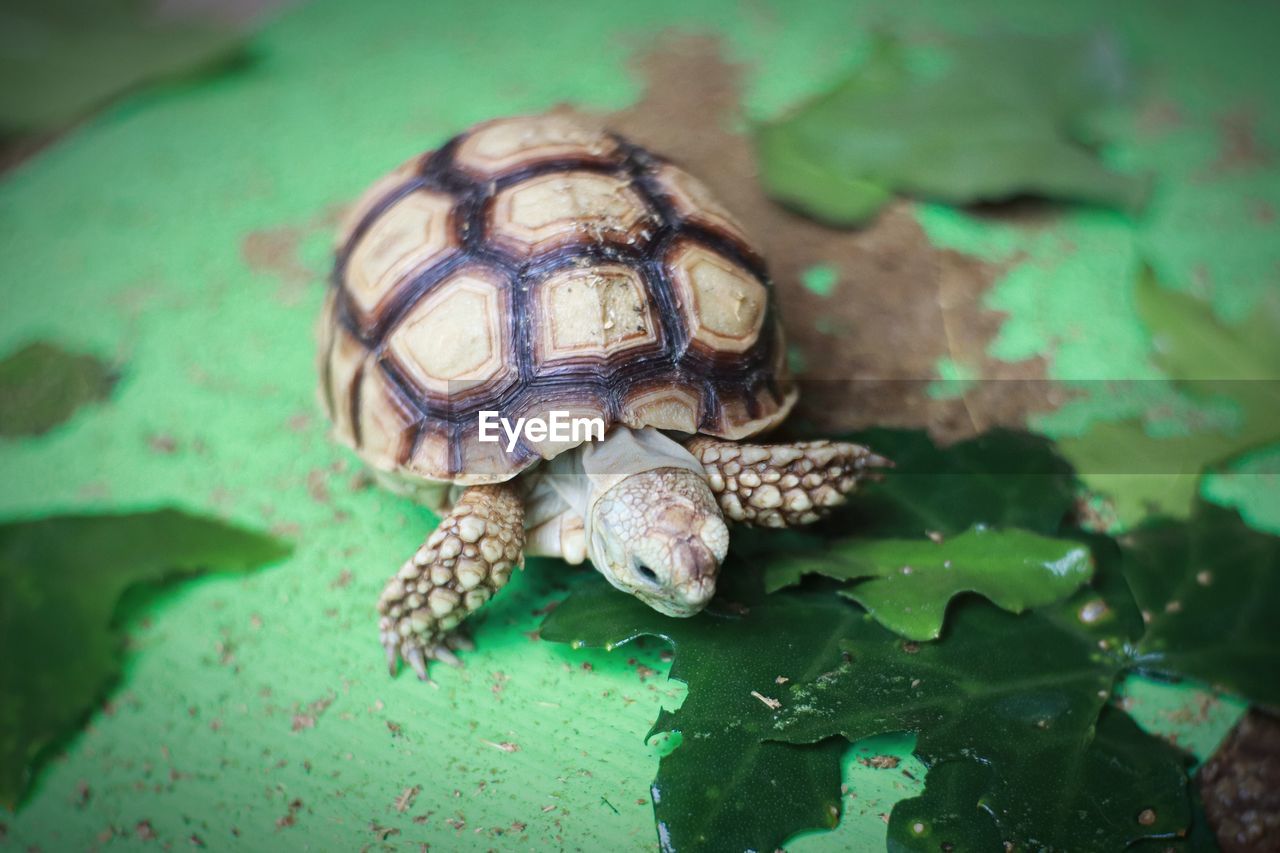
694 571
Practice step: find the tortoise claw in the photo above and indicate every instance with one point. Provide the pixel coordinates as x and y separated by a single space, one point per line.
393 658
413 656
460 642
444 655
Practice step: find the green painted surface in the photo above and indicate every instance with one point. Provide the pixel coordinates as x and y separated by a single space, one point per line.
820 279
242 696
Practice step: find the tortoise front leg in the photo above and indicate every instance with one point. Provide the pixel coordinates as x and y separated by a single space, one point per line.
462 564
782 485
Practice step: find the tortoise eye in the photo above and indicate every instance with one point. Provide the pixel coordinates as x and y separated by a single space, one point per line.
647 573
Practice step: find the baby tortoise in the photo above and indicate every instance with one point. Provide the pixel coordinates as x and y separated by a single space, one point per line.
536 265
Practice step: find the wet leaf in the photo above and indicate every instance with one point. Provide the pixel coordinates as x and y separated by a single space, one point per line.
1020 696
1123 767
1148 475
1006 116
42 385
1211 590
73 56
1002 478
60 580
906 584
725 787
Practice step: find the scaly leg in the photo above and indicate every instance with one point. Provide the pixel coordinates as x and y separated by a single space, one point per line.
462 564
782 485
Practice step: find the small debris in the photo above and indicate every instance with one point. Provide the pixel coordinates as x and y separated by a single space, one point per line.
291 817
880 762
382 832
144 831
308 718
1204 578
505 746
405 800
395 729
160 443
610 805
911 647
548 808
318 486
781 679
771 704
1146 817
934 536
83 794
343 580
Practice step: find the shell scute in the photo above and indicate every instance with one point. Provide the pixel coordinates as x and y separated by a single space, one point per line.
409 236
562 209
456 338
533 265
722 302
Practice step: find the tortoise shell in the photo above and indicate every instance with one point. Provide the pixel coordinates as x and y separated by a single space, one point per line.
536 264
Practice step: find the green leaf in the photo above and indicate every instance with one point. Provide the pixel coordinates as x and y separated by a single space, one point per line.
1122 767
911 581
1021 696
726 787
1004 118
42 385
73 56
1211 592
1147 475
1001 478
60 580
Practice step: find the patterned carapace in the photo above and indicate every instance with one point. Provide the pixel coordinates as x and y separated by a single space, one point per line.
535 264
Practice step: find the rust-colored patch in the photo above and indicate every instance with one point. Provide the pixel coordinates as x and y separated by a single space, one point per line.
870 348
277 252
1239 145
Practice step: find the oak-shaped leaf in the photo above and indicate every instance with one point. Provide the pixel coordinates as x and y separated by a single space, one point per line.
60 580
996 118
1001 479
1020 697
907 584
726 787
1210 591
1123 767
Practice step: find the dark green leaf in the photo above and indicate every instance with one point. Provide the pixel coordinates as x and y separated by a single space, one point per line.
911 581
1211 590
1134 785
42 385
60 579
1019 694
1005 118
73 56
1001 479
725 787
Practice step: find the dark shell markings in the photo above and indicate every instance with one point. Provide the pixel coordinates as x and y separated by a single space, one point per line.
535 264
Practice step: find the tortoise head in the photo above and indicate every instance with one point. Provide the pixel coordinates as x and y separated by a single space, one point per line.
659 535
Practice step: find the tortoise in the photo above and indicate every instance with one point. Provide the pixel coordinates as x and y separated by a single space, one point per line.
535 267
